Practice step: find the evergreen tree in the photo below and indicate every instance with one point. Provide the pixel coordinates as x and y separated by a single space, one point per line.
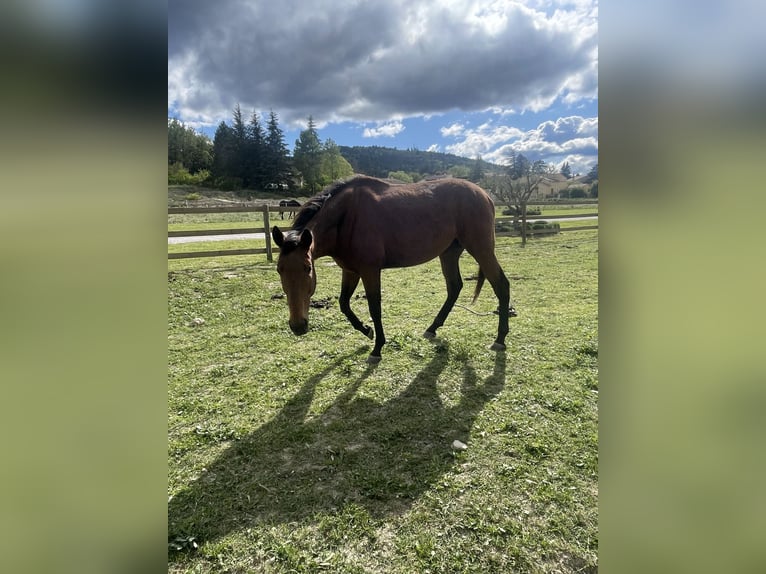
477 171
239 131
224 152
592 174
566 171
308 157
256 160
277 161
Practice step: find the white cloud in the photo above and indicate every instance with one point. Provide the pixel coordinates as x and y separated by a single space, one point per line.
424 58
389 129
451 131
482 140
573 139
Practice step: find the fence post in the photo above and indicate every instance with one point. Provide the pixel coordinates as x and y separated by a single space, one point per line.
267 232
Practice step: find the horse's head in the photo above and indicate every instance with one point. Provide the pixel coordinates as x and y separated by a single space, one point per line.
296 270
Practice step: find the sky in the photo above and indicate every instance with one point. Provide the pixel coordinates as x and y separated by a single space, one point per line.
469 77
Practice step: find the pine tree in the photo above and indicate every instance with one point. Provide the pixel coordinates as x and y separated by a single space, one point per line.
256 160
223 152
277 160
239 132
477 171
592 174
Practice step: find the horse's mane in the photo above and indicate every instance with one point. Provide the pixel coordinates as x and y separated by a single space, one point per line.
313 205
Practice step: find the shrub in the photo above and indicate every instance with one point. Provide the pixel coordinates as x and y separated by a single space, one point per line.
577 193
512 211
179 175
226 183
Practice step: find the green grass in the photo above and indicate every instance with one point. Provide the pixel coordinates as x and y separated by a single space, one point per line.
226 244
292 454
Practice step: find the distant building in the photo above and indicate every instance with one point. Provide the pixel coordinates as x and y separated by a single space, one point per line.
552 185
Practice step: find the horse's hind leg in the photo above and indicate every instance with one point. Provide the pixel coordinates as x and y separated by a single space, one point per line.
371 281
349 282
489 265
502 288
451 271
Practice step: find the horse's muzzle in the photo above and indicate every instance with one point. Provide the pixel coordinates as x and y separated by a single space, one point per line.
300 327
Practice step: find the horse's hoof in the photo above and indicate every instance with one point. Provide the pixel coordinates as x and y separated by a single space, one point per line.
370 334
497 347
373 360
429 335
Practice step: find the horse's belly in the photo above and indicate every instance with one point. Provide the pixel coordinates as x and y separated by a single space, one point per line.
416 253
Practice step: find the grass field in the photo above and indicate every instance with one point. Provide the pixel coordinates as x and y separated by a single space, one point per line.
293 455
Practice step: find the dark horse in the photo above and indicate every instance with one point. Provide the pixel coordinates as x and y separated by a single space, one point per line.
288 203
367 225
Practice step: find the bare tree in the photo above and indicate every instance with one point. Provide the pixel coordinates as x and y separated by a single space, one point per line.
516 186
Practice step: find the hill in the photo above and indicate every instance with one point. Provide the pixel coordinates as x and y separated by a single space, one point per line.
378 161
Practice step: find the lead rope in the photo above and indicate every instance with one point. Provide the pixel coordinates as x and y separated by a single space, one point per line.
511 311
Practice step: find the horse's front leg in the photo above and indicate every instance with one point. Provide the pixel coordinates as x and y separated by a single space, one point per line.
348 285
372 289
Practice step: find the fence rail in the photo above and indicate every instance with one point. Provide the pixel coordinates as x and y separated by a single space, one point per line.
266 228
242 208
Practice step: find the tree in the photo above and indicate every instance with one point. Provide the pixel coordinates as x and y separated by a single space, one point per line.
241 161
516 186
255 155
308 156
592 175
477 171
277 161
460 171
224 152
401 176
334 166
566 171
188 148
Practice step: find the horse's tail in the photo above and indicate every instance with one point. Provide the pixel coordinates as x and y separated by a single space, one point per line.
479 285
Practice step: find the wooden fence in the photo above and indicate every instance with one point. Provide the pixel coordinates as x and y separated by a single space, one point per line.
266 228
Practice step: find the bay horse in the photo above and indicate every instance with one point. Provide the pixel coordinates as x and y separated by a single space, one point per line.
366 225
288 203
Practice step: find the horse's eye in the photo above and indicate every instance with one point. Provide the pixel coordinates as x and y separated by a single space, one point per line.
307 268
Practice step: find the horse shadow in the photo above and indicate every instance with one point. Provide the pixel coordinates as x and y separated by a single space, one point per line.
381 456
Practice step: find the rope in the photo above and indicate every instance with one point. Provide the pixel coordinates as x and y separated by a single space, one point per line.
474 312
511 311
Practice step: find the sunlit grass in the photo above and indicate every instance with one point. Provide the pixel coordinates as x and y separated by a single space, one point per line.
293 455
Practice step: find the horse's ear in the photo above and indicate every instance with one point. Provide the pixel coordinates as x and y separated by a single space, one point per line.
276 233
306 239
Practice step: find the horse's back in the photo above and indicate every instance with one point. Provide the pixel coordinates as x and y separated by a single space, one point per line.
409 224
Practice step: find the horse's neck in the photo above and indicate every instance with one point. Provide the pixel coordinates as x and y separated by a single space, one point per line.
324 227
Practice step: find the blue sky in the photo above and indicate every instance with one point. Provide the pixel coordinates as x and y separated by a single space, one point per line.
470 77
